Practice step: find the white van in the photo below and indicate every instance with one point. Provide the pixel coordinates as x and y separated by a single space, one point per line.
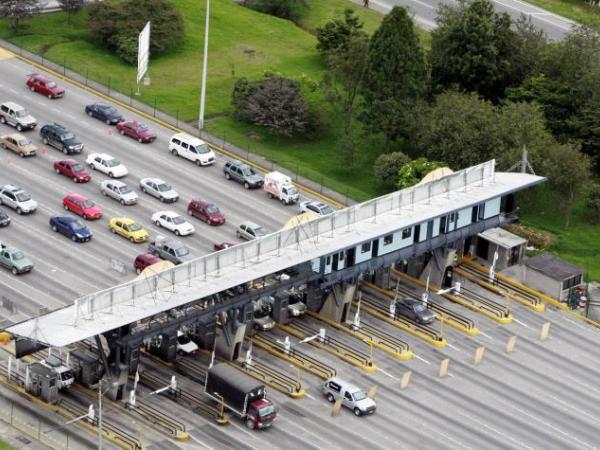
192 148
279 186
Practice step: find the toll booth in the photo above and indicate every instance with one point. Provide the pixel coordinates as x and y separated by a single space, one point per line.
552 276
509 247
280 307
164 346
87 367
43 383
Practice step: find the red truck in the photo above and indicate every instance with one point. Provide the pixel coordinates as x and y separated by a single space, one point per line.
241 394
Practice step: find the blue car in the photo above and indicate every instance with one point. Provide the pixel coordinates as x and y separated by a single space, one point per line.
106 113
70 227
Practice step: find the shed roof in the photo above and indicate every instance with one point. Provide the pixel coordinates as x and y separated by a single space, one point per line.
553 267
502 238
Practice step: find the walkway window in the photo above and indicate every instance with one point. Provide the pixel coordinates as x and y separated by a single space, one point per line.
406 233
387 240
365 248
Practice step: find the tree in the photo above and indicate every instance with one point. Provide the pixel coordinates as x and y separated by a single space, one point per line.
386 168
593 204
414 171
115 25
568 172
342 81
286 9
16 11
394 77
275 103
337 32
71 7
475 49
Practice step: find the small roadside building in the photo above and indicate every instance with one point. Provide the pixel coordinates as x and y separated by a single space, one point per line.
509 246
552 275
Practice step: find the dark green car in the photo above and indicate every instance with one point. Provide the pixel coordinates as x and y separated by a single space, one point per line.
14 260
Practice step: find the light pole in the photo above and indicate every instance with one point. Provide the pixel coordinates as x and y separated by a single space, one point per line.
204 67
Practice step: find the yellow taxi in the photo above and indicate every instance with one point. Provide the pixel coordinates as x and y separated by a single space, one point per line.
128 228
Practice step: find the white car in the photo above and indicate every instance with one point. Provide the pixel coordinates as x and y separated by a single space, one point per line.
17 199
192 148
119 191
173 222
319 208
159 189
106 164
185 346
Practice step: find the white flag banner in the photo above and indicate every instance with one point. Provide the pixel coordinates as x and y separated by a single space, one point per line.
143 51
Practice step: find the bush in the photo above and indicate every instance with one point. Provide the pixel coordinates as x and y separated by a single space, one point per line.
414 171
115 26
593 205
386 168
537 238
286 9
337 32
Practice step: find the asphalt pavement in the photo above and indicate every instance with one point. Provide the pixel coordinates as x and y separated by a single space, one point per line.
425 12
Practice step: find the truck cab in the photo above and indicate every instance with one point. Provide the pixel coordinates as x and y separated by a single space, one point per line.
261 414
65 376
280 186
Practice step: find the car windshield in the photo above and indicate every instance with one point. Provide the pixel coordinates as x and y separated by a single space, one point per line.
113 162
183 339
23 197
212 209
292 191
21 113
260 231
109 110
16 256
77 225
163 187
135 227
24 142
247 172
359 395
51 84
88 204
77 168
266 410
66 375
178 220
125 190
294 299
66 136
420 307
261 312
182 251
202 148
327 209
139 128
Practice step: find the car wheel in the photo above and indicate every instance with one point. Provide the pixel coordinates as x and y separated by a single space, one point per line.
157 223
3 145
57 171
66 207
105 194
227 176
2 119
190 212
246 185
270 195
283 202
122 202
174 152
22 155
250 424
19 127
74 238
50 96
86 217
65 150
14 271
92 166
131 240
198 163
114 231
74 179
357 412
140 140
144 190
162 199
19 211
138 270
110 174
54 228
107 122
32 89
45 141
122 132
91 114
177 233
331 398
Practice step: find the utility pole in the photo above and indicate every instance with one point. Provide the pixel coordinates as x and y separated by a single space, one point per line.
524 161
204 68
100 414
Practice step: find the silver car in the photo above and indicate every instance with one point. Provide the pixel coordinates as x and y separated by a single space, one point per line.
261 317
159 189
319 208
352 397
250 230
119 191
17 199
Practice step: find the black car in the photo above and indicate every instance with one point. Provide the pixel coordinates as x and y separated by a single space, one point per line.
61 138
4 219
106 113
415 310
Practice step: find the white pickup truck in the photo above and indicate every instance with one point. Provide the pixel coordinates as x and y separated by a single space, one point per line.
280 186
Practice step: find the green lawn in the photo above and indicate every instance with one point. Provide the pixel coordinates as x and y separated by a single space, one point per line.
580 243
576 10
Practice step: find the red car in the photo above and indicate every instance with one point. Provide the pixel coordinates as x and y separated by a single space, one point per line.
72 169
222 246
144 260
82 206
45 86
136 130
206 211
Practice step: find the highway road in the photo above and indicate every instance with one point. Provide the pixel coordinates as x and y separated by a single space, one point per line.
65 270
425 13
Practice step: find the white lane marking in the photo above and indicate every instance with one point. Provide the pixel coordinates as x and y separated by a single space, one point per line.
12 90
486 335
521 323
421 359
495 430
316 436
388 374
453 347
551 426
450 375
557 25
574 408
199 441
243 430
36 303
309 396
577 324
